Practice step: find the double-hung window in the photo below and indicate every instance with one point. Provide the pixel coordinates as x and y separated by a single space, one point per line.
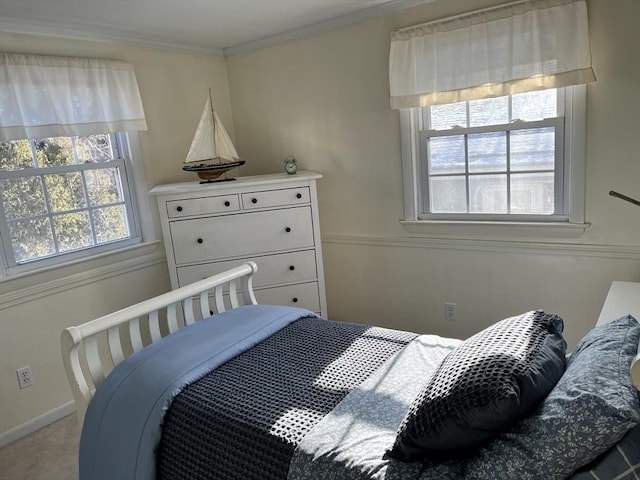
497 158
66 177
493 114
64 196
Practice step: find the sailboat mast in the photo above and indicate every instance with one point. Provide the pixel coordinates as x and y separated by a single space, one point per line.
213 122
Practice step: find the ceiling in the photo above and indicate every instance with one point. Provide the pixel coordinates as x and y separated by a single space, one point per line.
217 27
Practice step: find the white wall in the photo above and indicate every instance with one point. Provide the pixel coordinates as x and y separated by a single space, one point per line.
35 309
325 99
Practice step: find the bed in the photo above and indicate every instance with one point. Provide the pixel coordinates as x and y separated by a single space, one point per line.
204 383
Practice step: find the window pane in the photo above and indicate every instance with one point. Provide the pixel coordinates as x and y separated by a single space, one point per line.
23 197
488 152
15 155
93 148
444 117
110 223
448 195
488 194
446 154
66 191
103 186
31 239
54 151
489 111
73 231
533 106
532 193
533 149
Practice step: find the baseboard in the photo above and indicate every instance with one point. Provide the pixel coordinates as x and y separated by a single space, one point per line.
37 423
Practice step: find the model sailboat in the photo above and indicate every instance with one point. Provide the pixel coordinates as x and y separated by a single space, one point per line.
212 153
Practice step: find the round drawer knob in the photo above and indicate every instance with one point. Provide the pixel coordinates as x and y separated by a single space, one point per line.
288 229
292 268
294 299
254 200
227 203
178 208
298 195
200 240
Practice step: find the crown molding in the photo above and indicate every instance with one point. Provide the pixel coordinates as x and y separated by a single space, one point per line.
326 25
100 33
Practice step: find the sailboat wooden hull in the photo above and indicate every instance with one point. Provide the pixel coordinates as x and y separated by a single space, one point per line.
211 172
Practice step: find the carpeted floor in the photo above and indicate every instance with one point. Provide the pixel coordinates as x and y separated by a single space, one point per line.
48 454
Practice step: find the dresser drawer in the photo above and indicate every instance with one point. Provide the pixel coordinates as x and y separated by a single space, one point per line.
203 206
303 295
213 238
272 269
275 198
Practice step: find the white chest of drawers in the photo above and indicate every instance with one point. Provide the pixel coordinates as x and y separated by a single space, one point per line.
270 219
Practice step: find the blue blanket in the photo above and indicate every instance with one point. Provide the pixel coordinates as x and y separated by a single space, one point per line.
123 422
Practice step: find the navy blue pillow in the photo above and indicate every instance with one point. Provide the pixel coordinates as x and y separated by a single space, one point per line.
589 410
484 386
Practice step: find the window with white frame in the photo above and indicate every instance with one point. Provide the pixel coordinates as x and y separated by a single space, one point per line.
507 157
64 196
493 113
66 172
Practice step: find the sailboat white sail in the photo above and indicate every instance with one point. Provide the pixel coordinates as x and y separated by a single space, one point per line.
212 152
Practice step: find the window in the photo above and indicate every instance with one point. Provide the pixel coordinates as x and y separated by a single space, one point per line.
66 171
63 198
500 158
492 108
515 158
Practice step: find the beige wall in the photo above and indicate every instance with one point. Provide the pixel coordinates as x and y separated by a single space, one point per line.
35 309
325 100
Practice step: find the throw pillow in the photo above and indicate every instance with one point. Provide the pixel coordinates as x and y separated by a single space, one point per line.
484 386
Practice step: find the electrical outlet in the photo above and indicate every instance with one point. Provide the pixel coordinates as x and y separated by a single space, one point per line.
24 377
450 311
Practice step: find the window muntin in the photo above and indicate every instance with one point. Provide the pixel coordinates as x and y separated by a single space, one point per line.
497 158
63 198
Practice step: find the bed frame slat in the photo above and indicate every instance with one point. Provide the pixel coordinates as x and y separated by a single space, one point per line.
204 304
172 318
188 311
154 326
233 294
220 300
83 384
115 346
93 360
134 334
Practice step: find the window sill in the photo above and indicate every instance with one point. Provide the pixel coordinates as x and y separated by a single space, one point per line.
487 230
19 288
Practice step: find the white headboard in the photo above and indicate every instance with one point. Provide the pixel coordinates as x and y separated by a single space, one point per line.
623 299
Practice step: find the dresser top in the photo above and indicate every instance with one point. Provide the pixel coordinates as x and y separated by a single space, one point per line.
254 180
623 299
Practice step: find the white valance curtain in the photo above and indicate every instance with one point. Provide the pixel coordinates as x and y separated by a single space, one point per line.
521 46
44 96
